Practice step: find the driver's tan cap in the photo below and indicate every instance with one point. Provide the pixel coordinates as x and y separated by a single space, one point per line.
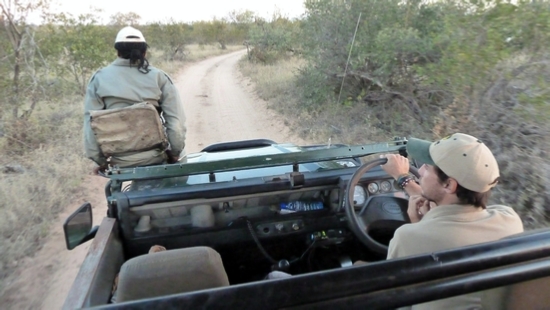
462 157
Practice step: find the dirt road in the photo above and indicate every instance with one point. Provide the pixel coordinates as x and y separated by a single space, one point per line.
220 105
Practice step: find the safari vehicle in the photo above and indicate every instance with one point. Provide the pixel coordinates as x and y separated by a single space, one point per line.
228 220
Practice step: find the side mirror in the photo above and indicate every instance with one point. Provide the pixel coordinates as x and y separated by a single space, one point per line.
78 227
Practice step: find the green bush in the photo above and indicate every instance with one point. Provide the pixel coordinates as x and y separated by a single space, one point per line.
432 68
272 40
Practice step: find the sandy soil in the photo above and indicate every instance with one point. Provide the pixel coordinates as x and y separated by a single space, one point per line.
220 105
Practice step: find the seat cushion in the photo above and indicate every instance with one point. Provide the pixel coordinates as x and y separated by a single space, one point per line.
170 272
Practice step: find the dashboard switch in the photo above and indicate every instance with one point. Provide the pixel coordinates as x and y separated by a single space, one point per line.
280 228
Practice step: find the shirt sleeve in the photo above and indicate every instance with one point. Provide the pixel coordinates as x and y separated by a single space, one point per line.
92 102
172 109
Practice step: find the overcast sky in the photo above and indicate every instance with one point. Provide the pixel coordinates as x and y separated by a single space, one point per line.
182 10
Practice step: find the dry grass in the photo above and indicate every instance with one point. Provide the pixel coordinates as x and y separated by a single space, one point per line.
273 80
337 122
42 166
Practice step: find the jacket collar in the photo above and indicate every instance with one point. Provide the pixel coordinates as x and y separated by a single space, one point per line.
121 62
450 210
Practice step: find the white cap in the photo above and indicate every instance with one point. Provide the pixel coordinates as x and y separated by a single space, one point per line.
129 34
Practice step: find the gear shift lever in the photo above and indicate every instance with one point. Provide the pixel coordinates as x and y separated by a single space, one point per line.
282 265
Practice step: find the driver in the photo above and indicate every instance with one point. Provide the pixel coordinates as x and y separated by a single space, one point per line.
448 207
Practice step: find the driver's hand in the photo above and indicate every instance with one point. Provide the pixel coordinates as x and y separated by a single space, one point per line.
396 166
418 207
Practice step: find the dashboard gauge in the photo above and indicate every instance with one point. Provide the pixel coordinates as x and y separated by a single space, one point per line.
373 188
385 186
359 195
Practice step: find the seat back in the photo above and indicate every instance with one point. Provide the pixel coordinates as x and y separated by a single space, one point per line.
170 272
529 295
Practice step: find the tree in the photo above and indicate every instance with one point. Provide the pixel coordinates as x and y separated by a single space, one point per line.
212 31
22 48
170 37
376 62
240 23
271 40
125 19
79 46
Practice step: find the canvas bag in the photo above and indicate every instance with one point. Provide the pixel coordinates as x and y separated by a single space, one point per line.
127 130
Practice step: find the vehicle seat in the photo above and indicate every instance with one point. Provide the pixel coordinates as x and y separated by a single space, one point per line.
527 295
531 294
170 272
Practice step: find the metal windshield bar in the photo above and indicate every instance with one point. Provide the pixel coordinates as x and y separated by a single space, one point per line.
253 162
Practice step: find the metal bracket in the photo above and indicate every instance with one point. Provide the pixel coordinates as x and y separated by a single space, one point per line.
115 186
297 180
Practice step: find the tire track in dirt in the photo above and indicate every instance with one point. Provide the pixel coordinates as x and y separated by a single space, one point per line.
220 105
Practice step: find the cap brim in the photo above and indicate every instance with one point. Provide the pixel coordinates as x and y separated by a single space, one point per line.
420 150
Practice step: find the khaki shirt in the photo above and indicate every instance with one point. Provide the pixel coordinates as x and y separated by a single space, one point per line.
119 85
453 226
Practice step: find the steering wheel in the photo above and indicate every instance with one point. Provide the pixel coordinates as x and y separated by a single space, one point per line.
380 209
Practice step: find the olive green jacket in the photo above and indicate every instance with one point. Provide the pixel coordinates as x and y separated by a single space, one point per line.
119 85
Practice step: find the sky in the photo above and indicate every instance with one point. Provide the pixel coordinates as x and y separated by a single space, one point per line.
180 10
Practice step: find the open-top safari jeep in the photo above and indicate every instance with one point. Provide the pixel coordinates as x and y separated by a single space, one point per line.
238 212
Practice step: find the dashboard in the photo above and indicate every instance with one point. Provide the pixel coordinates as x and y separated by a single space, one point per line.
225 212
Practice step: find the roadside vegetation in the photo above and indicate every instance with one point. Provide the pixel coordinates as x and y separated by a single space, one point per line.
363 70
352 71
